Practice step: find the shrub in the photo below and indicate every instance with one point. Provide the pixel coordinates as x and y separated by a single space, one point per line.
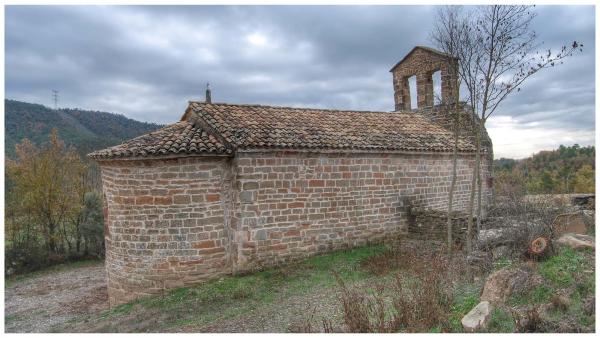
501 322
529 322
421 296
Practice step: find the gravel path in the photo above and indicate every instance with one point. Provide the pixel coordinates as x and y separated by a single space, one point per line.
46 302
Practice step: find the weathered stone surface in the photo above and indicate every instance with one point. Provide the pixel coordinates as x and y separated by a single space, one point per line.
185 207
576 241
478 318
490 238
195 220
431 224
261 235
504 282
570 223
422 62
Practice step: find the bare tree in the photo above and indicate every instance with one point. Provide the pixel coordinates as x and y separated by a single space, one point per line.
446 35
497 51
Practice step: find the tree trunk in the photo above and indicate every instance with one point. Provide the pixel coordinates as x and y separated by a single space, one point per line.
479 202
474 186
78 237
453 184
50 234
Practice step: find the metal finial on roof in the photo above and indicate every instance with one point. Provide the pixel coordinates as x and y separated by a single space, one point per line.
208 99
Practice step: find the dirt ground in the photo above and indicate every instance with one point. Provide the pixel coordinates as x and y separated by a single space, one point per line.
65 301
46 302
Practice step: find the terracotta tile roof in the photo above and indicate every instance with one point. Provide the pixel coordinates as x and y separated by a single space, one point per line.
178 138
223 128
255 126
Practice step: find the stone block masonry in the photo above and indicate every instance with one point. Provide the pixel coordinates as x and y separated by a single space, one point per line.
166 224
422 62
176 222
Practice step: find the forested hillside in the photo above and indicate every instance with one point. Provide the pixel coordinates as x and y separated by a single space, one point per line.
85 130
53 193
564 170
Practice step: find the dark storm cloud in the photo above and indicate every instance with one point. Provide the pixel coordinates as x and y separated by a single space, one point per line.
148 61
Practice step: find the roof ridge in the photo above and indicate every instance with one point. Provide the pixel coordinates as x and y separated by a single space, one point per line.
225 128
199 122
302 108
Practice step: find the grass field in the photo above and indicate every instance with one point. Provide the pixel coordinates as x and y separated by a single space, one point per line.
299 297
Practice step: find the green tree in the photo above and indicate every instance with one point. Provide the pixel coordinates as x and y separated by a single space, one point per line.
43 190
92 225
547 181
584 180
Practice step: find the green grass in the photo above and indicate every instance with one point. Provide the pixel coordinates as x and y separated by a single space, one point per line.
501 322
502 263
541 294
561 268
466 296
231 296
436 329
538 295
563 272
318 269
11 318
12 280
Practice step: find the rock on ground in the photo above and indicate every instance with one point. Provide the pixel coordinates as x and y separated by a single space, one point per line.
570 223
478 318
576 241
504 282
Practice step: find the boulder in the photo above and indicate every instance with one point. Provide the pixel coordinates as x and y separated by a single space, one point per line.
478 318
576 241
570 223
504 282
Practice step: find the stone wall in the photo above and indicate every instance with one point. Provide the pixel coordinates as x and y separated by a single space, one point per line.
469 124
166 224
427 224
422 63
294 204
176 222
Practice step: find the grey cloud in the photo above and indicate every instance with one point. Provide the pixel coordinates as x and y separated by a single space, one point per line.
148 61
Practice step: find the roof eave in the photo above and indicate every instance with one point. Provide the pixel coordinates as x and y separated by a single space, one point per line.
159 157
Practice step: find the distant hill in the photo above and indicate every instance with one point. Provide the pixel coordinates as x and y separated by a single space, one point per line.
84 129
564 170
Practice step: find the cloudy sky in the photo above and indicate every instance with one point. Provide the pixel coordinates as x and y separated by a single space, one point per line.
147 62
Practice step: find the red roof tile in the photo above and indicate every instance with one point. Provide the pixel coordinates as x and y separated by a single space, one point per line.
178 138
223 128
